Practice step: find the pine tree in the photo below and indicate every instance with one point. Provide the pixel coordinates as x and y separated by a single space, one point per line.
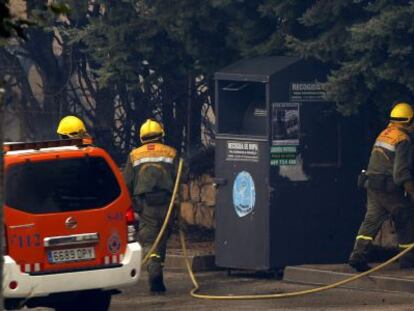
369 45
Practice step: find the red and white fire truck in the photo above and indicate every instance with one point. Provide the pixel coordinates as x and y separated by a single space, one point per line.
69 226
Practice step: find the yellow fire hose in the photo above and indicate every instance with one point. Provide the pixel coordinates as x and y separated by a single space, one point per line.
194 291
196 288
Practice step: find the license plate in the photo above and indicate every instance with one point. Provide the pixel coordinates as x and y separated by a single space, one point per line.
71 254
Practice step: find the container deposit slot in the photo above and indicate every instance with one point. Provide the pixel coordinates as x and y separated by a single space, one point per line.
245 110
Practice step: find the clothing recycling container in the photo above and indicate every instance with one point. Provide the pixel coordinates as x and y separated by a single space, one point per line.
286 166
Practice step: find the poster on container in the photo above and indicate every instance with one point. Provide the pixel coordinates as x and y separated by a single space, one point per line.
285 124
285 134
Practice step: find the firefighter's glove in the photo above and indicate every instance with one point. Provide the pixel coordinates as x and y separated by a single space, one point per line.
362 179
136 218
137 204
409 189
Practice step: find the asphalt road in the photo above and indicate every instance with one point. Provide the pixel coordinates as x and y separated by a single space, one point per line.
178 284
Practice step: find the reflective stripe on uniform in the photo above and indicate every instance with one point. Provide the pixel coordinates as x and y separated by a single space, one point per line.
364 237
405 245
154 160
154 255
384 145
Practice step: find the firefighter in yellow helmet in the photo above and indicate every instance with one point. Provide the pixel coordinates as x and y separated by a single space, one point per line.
71 127
390 188
149 174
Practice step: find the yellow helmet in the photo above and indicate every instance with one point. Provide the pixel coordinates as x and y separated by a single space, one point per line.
401 113
71 127
150 130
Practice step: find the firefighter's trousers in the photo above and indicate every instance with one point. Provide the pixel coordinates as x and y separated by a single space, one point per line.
151 220
150 223
381 206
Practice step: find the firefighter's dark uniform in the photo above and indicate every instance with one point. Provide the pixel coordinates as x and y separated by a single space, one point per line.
150 174
389 169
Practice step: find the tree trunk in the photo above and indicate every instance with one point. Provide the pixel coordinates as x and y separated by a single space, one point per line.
195 122
104 119
173 111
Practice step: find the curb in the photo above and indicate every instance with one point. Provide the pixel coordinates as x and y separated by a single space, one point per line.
313 275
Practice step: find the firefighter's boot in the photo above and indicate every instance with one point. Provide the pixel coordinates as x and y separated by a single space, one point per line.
155 276
359 256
